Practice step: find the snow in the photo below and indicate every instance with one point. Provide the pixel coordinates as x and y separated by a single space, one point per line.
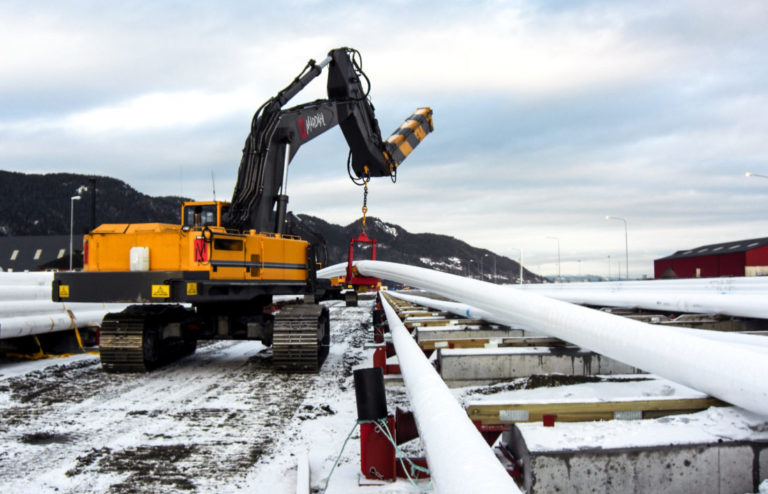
19 368
457 352
616 387
220 420
389 229
708 426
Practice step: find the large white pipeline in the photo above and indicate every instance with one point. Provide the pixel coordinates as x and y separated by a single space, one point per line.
690 298
14 327
740 297
459 459
733 373
26 307
749 340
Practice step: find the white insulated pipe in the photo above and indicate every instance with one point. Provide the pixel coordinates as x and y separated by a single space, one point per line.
750 340
32 292
456 308
14 327
732 373
739 297
42 278
26 307
460 461
749 303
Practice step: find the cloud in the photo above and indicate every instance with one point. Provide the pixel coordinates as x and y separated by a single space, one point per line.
548 116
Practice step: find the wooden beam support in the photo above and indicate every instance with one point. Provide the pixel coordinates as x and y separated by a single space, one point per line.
509 413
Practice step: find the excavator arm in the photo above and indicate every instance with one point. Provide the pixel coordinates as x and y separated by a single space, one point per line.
259 200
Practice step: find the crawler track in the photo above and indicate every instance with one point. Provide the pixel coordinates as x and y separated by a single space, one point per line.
301 338
121 343
131 341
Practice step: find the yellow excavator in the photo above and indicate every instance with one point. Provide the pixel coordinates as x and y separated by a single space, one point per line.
214 275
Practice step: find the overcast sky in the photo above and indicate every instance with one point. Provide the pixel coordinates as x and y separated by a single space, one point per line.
548 115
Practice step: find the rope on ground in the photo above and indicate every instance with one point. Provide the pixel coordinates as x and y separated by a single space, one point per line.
413 468
77 334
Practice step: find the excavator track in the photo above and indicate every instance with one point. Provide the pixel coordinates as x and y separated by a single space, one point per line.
131 341
301 338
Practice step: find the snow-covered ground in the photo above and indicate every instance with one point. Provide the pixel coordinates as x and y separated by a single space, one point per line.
222 420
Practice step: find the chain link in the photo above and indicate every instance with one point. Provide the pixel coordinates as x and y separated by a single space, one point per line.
365 201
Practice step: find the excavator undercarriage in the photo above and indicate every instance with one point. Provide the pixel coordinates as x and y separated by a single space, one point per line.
143 337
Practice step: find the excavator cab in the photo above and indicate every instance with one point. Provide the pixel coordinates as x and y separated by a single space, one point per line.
200 214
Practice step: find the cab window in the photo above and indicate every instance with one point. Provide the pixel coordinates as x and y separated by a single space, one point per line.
200 215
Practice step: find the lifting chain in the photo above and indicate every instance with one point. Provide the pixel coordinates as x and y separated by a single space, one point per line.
365 200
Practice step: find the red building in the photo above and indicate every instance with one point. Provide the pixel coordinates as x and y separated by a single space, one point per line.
739 258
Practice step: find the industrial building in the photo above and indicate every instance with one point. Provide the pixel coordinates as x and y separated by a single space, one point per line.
738 258
39 252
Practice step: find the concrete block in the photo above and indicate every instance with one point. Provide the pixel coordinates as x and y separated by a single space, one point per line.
714 467
510 363
446 333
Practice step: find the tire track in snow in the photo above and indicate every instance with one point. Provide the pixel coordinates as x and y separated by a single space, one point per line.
197 424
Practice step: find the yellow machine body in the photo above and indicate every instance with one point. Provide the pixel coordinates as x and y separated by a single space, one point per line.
198 244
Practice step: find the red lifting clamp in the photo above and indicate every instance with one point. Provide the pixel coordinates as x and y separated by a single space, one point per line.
353 278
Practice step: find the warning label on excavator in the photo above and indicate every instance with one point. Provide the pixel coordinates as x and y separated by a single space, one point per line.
63 291
161 291
192 288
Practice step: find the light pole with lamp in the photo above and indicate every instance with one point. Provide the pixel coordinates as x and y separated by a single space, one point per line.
558 256
71 226
520 280
626 243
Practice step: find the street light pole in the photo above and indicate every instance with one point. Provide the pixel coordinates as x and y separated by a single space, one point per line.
520 278
626 242
71 226
558 256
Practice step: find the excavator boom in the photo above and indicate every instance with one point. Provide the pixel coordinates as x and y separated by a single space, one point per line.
259 199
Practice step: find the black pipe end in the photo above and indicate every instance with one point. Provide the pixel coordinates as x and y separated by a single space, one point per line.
370 394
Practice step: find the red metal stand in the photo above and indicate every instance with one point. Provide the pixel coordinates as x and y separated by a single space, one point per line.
377 454
378 458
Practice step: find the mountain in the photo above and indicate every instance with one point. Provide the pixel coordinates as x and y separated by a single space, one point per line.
40 205
429 250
